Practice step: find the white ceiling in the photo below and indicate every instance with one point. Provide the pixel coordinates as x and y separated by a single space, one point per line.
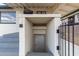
39 20
30 4
39 4
56 8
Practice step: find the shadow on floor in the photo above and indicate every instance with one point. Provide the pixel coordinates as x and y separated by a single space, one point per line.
39 54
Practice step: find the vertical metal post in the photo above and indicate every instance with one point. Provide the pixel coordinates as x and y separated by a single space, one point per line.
0 17
68 41
62 39
65 39
73 36
73 40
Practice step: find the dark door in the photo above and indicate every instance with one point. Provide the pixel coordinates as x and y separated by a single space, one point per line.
39 43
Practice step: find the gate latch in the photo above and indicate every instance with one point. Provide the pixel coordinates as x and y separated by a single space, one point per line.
57 30
57 47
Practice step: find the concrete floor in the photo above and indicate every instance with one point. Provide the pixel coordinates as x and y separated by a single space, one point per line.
39 54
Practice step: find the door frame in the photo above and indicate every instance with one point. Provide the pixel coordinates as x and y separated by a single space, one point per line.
22 33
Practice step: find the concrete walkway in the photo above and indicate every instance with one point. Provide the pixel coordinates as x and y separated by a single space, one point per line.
39 54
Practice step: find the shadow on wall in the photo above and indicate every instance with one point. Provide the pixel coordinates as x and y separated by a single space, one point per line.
9 44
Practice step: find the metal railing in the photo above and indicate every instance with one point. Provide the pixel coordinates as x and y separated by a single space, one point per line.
69 37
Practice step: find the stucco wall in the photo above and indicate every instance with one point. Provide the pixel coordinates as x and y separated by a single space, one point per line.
28 36
52 40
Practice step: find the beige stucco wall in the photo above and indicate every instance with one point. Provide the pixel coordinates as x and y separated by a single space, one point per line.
52 39
39 29
28 36
25 33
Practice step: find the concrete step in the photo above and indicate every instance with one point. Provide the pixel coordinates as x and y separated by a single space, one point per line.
39 54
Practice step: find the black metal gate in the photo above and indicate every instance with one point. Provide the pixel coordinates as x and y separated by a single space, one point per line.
69 36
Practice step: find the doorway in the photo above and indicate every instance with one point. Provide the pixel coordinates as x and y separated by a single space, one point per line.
39 43
32 27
